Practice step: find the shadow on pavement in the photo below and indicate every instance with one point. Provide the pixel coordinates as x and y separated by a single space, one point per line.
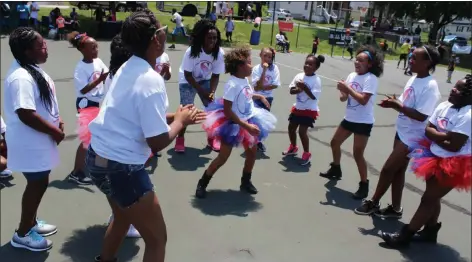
9 253
339 197
227 202
85 244
191 160
66 185
430 253
292 164
384 225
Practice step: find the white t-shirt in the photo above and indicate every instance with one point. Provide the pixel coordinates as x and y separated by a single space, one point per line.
240 92
271 78
86 73
447 119
133 110
421 94
34 14
304 102
163 59
28 149
178 20
355 112
202 67
3 126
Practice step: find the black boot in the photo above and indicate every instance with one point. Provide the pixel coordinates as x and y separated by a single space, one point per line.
363 190
429 234
400 239
98 259
334 172
202 185
246 184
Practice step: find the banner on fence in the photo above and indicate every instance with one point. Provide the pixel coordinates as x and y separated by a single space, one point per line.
285 26
339 37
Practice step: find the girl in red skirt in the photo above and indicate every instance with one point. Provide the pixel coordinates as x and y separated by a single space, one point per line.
307 87
444 160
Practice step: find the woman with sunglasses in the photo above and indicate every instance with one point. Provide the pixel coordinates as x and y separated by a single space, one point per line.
131 124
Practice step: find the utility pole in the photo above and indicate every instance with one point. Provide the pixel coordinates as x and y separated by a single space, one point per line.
273 22
311 12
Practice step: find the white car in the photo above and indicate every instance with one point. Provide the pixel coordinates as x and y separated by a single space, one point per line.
280 14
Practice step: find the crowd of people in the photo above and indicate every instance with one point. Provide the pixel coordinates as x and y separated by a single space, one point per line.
116 102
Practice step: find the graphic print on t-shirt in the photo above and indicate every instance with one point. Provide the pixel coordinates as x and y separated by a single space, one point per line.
408 99
442 123
202 70
95 92
267 79
243 101
351 102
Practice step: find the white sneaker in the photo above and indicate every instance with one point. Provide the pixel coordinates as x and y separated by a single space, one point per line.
132 232
44 229
6 173
31 241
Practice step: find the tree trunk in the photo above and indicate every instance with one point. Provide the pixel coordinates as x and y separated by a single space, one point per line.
208 9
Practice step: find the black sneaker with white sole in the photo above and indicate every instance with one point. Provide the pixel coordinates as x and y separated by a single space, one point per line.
79 178
389 212
367 208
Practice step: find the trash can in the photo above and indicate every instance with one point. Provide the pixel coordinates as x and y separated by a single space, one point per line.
255 37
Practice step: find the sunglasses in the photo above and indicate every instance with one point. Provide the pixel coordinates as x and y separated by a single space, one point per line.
164 28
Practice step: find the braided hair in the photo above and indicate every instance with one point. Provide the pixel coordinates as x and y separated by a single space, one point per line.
119 54
137 31
22 39
466 93
199 33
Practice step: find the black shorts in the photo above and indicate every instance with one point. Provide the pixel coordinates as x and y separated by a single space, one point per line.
229 34
357 128
403 56
301 120
86 104
33 21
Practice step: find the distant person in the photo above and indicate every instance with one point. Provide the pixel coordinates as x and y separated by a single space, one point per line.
99 14
314 48
61 24
282 41
213 16
229 28
23 10
4 172
34 7
450 67
179 26
418 30
404 50
74 20
74 15
5 12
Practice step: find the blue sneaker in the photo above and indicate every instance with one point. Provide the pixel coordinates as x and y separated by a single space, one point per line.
31 241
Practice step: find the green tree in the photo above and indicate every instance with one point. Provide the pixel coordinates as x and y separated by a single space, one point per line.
437 13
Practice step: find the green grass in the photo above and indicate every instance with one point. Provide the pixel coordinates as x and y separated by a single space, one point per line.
242 32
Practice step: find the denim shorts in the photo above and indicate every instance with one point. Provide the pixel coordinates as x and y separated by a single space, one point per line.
124 183
188 92
35 176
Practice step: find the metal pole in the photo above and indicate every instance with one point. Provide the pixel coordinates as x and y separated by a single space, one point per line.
311 12
334 42
298 32
273 22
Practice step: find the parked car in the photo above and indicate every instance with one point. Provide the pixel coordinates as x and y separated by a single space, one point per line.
453 39
120 6
280 14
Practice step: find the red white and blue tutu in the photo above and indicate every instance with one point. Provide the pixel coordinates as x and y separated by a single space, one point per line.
218 126
449 171
85 116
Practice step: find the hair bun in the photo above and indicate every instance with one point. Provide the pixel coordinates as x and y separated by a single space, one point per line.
321 58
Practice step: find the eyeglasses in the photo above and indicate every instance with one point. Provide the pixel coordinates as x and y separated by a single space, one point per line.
159 29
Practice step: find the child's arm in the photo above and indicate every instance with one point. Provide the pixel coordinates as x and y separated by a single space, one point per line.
343 96
89 86
228 111
295 90
302 86
215 78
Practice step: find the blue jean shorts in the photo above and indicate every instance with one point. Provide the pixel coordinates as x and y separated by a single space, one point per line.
123 183
188 92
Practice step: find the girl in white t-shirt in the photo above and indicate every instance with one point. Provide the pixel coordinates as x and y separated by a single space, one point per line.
4 172
359 90
89 76
443 160
34 131
163 66
199 73
307 87
265 78
417 102
235 121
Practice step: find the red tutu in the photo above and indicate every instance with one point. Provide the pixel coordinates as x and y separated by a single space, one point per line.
86 116
450 171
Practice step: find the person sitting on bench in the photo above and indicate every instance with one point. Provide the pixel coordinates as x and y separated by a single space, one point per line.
282 41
